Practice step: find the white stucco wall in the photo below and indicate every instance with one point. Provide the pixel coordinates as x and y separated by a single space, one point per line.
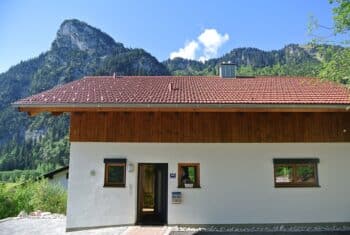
61 179
237 184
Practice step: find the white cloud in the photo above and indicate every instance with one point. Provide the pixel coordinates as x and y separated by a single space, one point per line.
202 58
207 43
188 52
212 41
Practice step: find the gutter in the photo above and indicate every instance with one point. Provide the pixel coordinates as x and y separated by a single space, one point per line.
345 107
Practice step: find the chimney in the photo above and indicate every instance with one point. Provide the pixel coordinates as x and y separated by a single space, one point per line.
172 87
227 70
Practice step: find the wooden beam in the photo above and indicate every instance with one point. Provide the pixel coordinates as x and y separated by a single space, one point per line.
32 113
60 110
56 113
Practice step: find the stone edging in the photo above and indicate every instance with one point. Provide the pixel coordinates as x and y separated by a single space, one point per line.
35 215
307 227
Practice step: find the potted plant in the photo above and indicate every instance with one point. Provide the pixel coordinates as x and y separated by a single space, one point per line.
188 183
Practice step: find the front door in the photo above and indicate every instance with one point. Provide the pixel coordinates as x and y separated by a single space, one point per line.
152 193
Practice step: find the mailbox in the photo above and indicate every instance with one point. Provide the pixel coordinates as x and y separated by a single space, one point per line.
176 197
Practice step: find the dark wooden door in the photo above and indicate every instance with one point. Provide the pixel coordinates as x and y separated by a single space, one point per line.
152 193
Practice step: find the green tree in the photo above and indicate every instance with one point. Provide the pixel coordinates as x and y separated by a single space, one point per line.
341 15
335 63
338 67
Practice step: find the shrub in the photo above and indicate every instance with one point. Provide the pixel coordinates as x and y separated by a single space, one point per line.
22 195
49 197
30 196
7 205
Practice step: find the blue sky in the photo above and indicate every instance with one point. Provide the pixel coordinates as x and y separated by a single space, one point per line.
27 28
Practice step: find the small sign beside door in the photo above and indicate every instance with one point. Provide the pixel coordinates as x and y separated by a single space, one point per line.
172 175
176 197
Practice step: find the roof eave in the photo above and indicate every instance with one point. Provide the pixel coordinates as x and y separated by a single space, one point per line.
54 172
181 107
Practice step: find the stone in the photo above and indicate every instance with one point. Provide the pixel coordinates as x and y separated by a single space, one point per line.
35 213
22 214
43 214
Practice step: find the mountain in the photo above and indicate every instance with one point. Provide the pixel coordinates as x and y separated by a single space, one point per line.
293 59
77 35
78 50
180 66
292 53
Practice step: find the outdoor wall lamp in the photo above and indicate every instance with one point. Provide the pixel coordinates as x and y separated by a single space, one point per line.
130 167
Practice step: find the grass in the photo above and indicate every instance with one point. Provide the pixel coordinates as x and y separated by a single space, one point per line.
10 185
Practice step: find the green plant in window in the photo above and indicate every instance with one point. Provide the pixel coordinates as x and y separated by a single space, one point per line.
192 174
283 171
284 174
305 173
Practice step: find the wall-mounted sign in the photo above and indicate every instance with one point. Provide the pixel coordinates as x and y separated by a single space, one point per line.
172 175
176 197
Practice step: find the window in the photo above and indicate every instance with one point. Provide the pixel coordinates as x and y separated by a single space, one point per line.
115 170
188 175
296 172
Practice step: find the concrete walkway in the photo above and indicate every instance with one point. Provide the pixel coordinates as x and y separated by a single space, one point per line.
148 230
38 226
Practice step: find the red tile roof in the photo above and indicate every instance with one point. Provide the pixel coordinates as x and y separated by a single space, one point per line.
191 90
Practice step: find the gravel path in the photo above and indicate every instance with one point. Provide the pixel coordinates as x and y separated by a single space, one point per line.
261 233
43 226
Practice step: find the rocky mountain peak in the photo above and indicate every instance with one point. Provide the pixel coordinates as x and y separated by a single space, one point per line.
75 34
291 49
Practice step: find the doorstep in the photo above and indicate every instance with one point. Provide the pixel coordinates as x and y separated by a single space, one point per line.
147 230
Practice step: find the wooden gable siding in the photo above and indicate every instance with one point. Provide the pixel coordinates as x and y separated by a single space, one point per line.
209 127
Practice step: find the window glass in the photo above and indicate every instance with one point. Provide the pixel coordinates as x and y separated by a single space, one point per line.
116 174
296 172
305 173
188 175
284 174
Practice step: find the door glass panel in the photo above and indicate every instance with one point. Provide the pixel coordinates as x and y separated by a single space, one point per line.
159 192
148 189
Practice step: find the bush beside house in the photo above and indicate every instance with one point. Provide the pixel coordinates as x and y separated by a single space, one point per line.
30 196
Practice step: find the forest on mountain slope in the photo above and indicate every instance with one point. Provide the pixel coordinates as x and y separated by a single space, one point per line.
42 143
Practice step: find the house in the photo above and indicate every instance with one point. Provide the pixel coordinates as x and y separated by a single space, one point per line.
58 176
203 150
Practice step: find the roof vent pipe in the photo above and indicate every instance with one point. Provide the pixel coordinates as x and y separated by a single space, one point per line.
114 75
170 86
227 70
